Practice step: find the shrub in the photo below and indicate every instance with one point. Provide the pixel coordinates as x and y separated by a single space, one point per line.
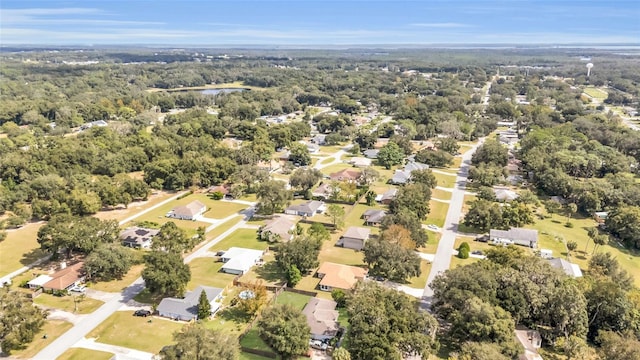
463 253
339 297
569 225
217 195
464 245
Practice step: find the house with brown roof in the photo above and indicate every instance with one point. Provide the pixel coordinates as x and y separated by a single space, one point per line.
348 175
138 237
338 276
354 238
322 318
278 229
191 211
63 279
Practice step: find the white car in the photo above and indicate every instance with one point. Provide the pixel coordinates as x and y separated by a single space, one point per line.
317 344
433 227
78 288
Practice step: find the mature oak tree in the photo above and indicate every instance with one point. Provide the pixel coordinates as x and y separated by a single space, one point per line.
194 341
284 328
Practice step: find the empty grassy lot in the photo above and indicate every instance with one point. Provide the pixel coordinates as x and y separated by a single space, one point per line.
441 194
66 303
140 333
83 354
52 328
245 238
20 248
595 93
222 209
134 207
206 271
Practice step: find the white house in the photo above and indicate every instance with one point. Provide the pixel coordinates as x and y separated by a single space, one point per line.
191 211
239 260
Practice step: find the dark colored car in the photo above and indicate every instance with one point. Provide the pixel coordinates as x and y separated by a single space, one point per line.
143 313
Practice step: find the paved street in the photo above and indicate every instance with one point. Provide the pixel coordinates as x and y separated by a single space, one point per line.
449 231
88 323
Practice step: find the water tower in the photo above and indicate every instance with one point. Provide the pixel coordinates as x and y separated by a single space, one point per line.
589 66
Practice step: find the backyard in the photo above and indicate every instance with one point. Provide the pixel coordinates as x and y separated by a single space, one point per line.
206 271
294 299
144 334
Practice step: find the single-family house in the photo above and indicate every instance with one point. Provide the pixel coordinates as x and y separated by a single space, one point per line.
566 266
187 309
354 238
322 318
307 209
324 191
360 162
518 236
191 211
138 237
348 175
63 279
338 276
503 194
387 196
313 148
238 261
279 226
319 139
371 153
225 190
373 217
600 216
401 177
531 341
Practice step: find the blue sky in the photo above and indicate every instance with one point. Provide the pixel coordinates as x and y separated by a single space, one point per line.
305 22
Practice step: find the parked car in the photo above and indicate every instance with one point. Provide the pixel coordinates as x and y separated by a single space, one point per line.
433 227
317 344
142 313
78 288
477 252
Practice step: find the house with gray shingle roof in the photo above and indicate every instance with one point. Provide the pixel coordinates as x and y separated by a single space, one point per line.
188 212
322 318
187 309
518 236
354 238
373 217
566 266
401 177
138 237
307 209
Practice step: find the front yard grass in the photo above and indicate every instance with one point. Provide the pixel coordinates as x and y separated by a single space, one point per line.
419 282
294 299
52 328
473 245
441 194
336 167
253 341
222 209
244 238
456 261
437 214
431 245
66 303
119 285
206 271
83 354
443 180
140 333
20 248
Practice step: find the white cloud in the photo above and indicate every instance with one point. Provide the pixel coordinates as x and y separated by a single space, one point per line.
41 16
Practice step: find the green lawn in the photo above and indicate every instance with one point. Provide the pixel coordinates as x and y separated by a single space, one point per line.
553 228
222 209
83 354
437 214
206 271
419 282
52 328
296 300
20 248
119 285
140 333
443 180
252 340
134 207
335 168
247 356
473 245
595 93
432 244
66 303
221 228
354 217
456 261
270 272
441 194
327 160
245 238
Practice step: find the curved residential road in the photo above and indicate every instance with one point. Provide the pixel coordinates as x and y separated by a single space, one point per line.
449 230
